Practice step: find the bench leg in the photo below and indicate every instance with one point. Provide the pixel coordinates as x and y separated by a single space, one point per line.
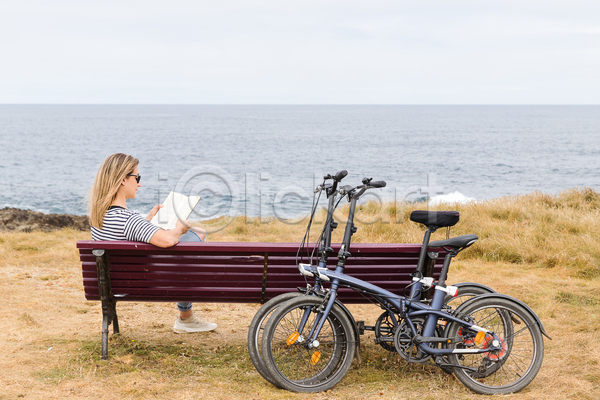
115 320
115 325
105 324
109 315
109 305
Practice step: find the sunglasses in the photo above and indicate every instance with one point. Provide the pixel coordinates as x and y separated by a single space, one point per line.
137 177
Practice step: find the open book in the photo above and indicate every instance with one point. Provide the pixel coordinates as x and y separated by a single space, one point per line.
176 206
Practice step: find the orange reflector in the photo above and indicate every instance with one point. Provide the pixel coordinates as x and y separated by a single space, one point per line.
292 338
315 357
479 337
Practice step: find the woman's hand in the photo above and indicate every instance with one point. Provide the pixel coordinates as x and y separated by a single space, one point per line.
168 238
154 211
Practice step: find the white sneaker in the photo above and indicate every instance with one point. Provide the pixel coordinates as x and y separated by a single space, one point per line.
192 324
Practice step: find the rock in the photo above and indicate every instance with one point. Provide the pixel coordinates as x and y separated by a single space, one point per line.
17 220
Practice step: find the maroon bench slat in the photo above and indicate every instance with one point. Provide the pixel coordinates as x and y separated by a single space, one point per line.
257 248
222 295
182 276
208 294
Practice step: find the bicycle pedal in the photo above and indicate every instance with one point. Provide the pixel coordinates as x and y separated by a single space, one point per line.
360 325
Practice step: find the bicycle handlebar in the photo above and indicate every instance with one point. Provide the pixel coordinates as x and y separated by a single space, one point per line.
338 175
367 184
331 188
377 184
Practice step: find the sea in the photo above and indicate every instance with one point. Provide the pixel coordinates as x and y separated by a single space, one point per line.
266 160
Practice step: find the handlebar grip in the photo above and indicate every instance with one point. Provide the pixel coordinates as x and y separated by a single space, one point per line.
377 184
340 175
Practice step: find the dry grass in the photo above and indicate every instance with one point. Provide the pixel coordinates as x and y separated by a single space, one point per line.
542 249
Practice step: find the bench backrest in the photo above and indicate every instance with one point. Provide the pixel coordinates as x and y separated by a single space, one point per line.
235 272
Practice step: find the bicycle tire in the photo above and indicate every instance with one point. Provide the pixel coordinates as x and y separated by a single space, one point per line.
518 361
256 329
293 366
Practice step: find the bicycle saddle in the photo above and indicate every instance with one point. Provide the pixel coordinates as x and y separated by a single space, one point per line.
458 242
435 219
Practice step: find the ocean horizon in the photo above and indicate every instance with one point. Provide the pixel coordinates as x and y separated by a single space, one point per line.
263 160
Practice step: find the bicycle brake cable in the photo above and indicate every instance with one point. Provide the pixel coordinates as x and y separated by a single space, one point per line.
307 233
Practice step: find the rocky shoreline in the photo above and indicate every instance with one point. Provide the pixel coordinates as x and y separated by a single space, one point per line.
17 220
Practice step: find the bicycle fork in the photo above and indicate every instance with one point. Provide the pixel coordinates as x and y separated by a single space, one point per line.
320 318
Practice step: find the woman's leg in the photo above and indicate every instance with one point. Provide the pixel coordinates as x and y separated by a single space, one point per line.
185 310
200 232
187 321
193 236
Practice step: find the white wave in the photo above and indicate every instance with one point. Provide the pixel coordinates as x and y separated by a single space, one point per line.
24 206
450 198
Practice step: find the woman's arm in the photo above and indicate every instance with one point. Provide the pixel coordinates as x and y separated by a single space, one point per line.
168 238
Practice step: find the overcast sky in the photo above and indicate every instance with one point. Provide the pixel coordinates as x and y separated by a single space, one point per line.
300 52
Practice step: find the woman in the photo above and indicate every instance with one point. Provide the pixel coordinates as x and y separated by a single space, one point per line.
118 180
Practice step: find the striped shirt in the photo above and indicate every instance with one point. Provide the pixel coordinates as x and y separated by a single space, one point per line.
123 224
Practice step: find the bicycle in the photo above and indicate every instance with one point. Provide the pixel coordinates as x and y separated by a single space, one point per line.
384 326
308 343
432 220
256 327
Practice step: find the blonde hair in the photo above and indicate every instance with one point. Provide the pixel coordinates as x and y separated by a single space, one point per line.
113 170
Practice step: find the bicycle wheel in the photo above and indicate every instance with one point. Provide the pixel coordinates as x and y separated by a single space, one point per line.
521 352
256 329
295 366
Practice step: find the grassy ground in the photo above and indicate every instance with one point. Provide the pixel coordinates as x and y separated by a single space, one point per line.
542 249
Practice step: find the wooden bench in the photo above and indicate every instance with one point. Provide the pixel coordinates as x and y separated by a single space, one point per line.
116 271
